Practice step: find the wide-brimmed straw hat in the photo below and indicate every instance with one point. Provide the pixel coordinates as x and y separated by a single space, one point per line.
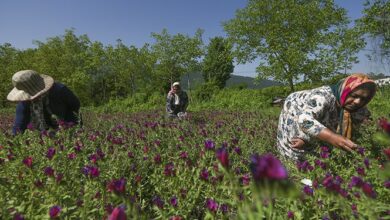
29 85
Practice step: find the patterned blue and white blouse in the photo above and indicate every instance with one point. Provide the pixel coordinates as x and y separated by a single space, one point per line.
305 114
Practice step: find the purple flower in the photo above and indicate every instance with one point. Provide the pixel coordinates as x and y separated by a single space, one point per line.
54 211
368 190
361 150
100 153
28 161
204 174
183 193
367 163
93 158
223 156
355 181
290 215
173 201
387 184
328 181
361 171
51 151
118 214
308 190
169 169
18 216
354 207
117 185
209 145
157 159
304 166
211 205
157 201
91 171
324 152
267 167
224 208
48 171
245 179
59 177
237 150
183 155
38 183
344 193
71 156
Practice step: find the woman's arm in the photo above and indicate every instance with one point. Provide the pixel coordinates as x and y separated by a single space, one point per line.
169 103
336 140
22 118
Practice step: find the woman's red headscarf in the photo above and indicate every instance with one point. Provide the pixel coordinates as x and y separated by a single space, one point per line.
341 90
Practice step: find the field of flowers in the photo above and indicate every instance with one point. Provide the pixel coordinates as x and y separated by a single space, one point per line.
212 165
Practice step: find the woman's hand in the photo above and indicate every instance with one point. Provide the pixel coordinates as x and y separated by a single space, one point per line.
297 143
336 140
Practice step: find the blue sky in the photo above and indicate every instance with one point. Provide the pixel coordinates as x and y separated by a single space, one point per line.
132 21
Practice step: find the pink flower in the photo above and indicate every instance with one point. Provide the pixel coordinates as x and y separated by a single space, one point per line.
212 205
385 125
118 214
387 152
223 156
54 211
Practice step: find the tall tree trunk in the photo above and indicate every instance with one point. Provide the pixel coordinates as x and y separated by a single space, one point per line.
291 84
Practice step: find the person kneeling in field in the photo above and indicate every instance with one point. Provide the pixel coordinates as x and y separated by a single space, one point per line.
323 113
39 98
177 102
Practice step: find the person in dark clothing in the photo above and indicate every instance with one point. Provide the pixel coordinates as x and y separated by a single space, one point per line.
177 102
41 101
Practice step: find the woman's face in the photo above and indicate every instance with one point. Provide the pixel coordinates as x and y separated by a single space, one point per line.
176 89
358 98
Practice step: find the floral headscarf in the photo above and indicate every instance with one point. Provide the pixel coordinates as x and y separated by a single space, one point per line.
341 90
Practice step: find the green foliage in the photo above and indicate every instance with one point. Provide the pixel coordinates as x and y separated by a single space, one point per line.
376 23
205 91
294 38
218 62
140 102
176 55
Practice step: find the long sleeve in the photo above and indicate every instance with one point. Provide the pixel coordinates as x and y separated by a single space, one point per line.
312 109
22 118
169 103
70 99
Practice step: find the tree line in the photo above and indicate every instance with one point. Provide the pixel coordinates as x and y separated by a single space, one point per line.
293 39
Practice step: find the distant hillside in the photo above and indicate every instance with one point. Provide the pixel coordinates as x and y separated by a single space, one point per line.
194 79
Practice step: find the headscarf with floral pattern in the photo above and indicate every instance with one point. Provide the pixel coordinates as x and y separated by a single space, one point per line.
341 90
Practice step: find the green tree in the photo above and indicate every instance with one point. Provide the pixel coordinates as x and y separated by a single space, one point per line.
294 38
376 23
175 55
8 55
65 58
218 62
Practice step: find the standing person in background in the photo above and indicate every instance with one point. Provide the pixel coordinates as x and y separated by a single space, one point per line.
39 99
323 113
177 101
